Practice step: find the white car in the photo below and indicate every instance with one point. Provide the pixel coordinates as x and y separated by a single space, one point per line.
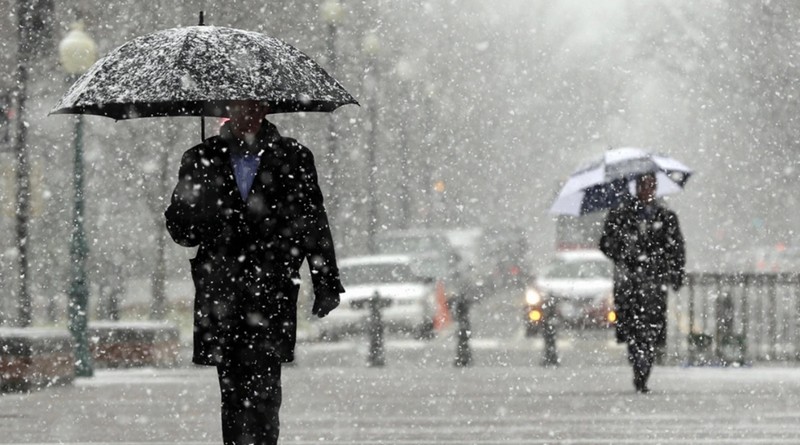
406 282
581 283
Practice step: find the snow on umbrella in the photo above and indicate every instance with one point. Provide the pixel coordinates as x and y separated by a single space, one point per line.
604 182
195 71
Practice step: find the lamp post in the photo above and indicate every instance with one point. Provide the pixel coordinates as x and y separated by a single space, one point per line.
405 73
371 46
78 52
429 145
330 13
24 49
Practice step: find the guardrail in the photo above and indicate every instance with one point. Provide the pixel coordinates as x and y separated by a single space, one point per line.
725 318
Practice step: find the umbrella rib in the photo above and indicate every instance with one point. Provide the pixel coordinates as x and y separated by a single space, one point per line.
181 54
80 92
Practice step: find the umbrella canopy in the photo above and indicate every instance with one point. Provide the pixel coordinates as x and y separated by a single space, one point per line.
196 71
604 182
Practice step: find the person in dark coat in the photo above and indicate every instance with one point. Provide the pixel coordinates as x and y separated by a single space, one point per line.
249 199
643 239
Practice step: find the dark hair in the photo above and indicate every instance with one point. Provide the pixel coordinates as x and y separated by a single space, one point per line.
640 181
646 176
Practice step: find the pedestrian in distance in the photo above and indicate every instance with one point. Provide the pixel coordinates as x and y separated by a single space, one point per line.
644 240
250 201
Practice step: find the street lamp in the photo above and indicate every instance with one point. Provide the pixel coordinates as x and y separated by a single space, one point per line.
78 52
371 46
429 145
24 50
331 12
404 69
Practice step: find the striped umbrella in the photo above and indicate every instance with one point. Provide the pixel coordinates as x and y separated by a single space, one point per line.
604 182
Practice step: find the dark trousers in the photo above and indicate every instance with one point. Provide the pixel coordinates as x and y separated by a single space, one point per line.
250 386
643 342
642 324
641 355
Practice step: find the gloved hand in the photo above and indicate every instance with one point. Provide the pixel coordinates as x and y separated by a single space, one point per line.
324 303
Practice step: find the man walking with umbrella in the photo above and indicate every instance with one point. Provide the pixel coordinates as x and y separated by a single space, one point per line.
644 241
249 199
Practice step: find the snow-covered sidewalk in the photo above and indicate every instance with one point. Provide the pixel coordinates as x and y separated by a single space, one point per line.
425 405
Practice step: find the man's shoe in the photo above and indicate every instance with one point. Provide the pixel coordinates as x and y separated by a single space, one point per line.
640 383
637 381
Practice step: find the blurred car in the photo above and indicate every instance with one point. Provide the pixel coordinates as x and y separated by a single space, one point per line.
503 258
407 282
580 284
778 259
421 243
465 241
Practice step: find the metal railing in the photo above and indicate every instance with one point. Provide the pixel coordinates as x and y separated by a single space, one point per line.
737 317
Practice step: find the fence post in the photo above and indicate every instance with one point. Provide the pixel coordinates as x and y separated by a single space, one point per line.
773 310
463 351
727 347
550 313
746 316
692 278
705 308
796 294
691 301
376 356
374 327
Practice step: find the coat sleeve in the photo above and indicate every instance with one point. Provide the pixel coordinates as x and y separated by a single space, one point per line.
190 219
611 243
318 241
676 252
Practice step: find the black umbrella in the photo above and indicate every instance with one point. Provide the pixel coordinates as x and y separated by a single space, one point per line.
196 71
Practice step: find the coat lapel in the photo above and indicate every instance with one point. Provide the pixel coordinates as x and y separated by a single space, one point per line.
228 186
264 187
265 193
262 183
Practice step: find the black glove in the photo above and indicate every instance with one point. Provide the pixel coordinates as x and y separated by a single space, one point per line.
324 303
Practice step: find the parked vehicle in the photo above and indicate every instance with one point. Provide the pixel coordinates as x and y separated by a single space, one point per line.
779 258
407 282
466 241
579 232
580 284
419 242
503 258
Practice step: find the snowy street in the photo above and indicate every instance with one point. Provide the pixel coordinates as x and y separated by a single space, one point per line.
399 222
419 398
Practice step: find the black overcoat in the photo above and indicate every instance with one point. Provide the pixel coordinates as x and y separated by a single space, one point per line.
246 271
648 252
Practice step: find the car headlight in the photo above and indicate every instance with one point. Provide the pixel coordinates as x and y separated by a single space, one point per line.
532 296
